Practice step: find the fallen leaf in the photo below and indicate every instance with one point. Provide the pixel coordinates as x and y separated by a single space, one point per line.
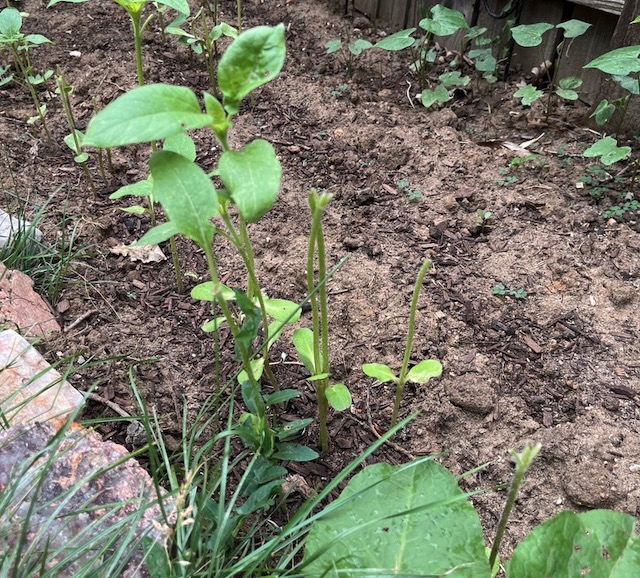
146 253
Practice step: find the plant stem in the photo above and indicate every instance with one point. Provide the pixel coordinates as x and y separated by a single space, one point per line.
176 265
523 462
239 5
135 16
409 345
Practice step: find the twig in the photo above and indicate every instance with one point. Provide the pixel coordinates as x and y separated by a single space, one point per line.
114 406
80 319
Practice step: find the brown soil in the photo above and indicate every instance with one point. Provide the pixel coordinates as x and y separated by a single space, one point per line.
560 367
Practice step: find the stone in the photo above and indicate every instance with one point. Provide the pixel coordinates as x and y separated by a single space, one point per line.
471 393
87 495
22 306
13 226
30 389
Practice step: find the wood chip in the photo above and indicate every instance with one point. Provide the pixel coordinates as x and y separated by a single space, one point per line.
532 344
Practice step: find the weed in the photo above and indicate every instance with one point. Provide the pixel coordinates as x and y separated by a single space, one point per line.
20 45
339 91
405 187
502 290
599 182
420 373
619 212
506 180
484 217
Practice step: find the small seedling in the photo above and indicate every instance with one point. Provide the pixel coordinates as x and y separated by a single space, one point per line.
484 217
20 45
405 187
511 291
619 212
340 91
420 373
530 35
507 180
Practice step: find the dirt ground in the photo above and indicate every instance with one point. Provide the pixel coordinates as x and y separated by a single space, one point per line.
560 366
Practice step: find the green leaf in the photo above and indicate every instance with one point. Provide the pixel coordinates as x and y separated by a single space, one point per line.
257 367
54 2
37 39
249 330
252 398
303 342
629 83
71 143
213 325
574 28
454 79
567 94
147 113
528 94
282 310
603 112
252 177
339 396
187 195
570 82
216 111
134 210
608 150
179 5
409 520
333 46
379 371
444 21
139 189
622 61
10 23
424 371
204 292
158 234
253 59
430 97
602 541
294 453
281 396
528 35
359 46
398 41
182 144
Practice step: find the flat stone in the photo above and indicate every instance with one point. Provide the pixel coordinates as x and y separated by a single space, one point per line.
30 389
12 226
83 502
22 306
471 393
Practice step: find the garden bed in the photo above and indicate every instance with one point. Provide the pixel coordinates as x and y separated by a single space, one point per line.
532 311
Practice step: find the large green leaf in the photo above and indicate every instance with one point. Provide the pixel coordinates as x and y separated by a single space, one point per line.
252 177
444 21
574 28
10 23
181 6
253 59
600 543
528 35
608 150
339 396
186 194
410 520
144 114
398 41
621 61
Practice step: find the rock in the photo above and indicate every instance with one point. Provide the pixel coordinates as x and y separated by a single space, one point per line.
12 227
471 393
621 293
590 485
83 499
30 389
22 306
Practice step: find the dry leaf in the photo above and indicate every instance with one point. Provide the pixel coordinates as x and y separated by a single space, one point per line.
146 253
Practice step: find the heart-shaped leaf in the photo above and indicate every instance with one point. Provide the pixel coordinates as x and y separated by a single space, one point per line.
622 61
608 150
528 35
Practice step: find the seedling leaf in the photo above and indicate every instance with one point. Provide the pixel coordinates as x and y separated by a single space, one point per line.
608 150
139 189
528 94
454 79
622 61
444 21
372 525
359 46
252 177
574 28
303 342
603 112
187 195
528 35
333 46
182 144
566 87
379 371
257 367
294 453
282 310
158 234
180 6
281 396
253 59
424 371
430 97
204 292
398 41
146 113
339 397
10 23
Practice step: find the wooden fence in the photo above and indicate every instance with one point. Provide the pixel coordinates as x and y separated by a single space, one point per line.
602 14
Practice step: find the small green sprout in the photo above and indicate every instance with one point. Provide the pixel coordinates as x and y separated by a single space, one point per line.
503 291
405 187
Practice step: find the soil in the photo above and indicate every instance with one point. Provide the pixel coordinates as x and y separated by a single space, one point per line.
560 366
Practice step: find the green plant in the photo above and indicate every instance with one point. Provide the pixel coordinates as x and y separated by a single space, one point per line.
312 345
507 179
530 35
449 81
484 217
201 37
339 91
599 182
19 46
502 290
619 212
607 150
420 373
405 187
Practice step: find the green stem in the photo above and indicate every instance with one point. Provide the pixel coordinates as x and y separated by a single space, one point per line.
135 16
208 52
523 462
409 344
239 5
176 265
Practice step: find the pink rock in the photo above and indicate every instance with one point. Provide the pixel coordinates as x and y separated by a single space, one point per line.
86 507
22 306
30 389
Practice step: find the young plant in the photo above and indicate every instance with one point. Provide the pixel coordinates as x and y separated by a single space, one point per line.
251 175
21 71
530 35
313 344
420 373
74 139
502 291
405 187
